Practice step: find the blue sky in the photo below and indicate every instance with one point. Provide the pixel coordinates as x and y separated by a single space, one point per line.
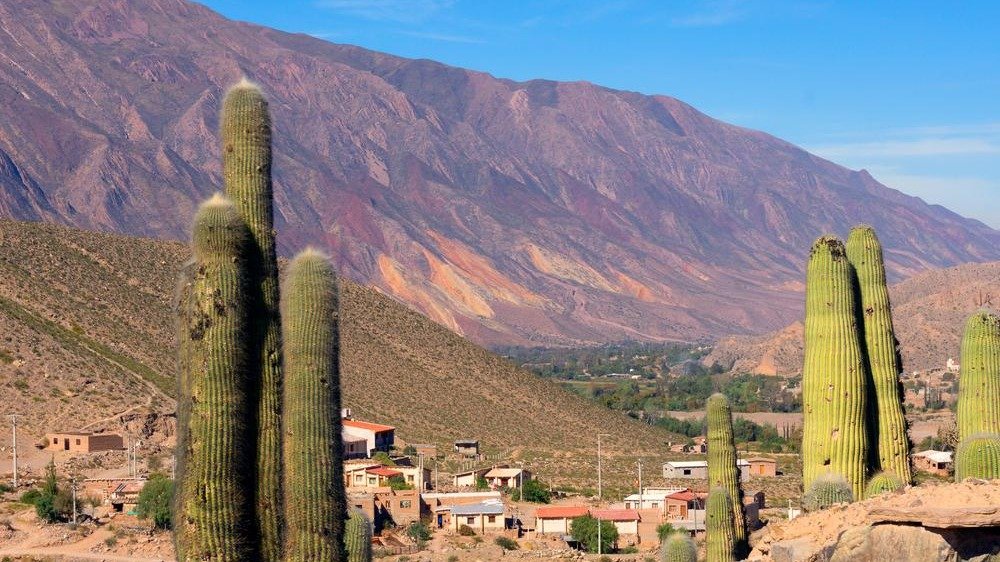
909 90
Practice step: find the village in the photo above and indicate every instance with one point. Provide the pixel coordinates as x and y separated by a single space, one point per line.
419 497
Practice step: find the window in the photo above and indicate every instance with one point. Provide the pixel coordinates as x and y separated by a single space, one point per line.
687 472
405 504
359 478
470 520
55 440
655 505
77 441
492 519
409 478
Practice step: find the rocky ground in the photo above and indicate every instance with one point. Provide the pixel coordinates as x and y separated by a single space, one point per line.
933 522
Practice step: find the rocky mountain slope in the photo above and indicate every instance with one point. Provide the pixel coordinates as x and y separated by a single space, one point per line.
929 313
88 342
512 212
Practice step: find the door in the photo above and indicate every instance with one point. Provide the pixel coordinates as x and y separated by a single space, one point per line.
440 520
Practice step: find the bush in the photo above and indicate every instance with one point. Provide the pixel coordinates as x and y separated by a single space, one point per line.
155 500
584 529
664 530
397 482
506 543
535 492
31 496
418 531
466 531
453 558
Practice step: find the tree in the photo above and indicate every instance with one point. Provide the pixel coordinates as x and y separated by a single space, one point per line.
534 492
45 505
155 499
410 451
397 482
481 483
584 530
383 458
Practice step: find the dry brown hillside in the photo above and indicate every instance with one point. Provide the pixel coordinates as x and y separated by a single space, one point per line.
929 311
88 334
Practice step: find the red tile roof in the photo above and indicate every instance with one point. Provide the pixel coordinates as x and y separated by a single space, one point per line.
616 514
685 496
561 511
384 471
376 427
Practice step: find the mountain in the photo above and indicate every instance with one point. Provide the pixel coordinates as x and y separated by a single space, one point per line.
88 342
929 311
510 212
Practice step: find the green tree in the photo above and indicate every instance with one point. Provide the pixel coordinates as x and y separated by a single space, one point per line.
481 483
397 482
584 530
664 530
383 458
155 500
534 492
45 505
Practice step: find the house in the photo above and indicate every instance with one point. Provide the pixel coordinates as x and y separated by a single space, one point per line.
762 467
698 469
626 521
83 442
483 517
651 498
378 437
121 493
935 462
354 447
431 504
952 365
507 477
680 505
556 520
375 475
467 447
468 478
385 506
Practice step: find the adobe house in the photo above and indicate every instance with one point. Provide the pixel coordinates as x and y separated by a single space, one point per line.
484 517
467 447
626 521
377 437
506 477
935 462
557 519
425 450
763 467
438 504
83 442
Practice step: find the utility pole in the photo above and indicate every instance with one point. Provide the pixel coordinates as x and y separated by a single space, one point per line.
640 483
599 545
73 484
600 495
13 419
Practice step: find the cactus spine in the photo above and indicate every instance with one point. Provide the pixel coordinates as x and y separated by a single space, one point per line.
720 527
678 547
881 483
833 374
826 490
722 468
358 537
246 171
213 517
314 485
978 456
979 377
886 423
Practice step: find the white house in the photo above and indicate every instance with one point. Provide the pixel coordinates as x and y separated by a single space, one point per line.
698 469
378 437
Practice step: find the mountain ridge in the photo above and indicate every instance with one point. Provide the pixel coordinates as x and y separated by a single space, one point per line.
536 212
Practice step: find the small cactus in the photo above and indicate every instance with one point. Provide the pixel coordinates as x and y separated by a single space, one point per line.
720 527
678 547
827 490
881 483
722 468
979 379
358 537
978 456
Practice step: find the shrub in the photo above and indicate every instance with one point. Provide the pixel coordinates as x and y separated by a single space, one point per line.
155 501
466 531
664 530
31 496
111 541
397 482
535 492
418 531
506 543
584 529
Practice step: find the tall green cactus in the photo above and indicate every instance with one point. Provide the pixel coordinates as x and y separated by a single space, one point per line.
978 456
834 438
979 376
720 527
246 172
313 452
677 547
722 468
886 424
214 510
358 537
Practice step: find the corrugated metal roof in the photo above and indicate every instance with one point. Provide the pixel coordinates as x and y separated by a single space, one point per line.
489 507
503 473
